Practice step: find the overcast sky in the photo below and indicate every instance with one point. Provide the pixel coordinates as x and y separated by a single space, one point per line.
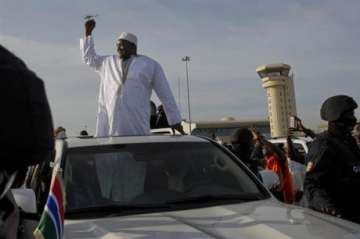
225 39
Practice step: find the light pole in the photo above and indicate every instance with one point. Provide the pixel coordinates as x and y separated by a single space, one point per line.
187 59
179 94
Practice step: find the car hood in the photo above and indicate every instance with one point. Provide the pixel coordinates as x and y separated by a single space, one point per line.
261 219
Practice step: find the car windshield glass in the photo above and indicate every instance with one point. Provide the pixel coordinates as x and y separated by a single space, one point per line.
153 173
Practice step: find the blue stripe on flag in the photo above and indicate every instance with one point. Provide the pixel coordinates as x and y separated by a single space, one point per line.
54 213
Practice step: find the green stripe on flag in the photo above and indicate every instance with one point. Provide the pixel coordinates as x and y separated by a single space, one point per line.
46 228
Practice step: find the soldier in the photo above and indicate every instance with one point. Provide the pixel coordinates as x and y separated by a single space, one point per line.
334 159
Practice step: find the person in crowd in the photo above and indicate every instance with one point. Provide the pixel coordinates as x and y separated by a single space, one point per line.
293 153
332 182
296 157
296 166
161 120
38 177
126 83
60 133
276 161
84 133
27 114
247 149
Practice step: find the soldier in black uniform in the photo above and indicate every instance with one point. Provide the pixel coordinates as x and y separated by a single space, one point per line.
333 179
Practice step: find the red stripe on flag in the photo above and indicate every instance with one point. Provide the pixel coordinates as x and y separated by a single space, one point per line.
58 193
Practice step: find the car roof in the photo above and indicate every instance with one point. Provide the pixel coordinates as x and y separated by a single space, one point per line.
93 141
296 140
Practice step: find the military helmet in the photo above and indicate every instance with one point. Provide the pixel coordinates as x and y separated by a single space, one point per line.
335 106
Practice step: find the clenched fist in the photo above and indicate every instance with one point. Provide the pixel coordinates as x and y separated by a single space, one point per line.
89 27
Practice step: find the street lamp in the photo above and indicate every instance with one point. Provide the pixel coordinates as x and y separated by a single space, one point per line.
179 94
187 59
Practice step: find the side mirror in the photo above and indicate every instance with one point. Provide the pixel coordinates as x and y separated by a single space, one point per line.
270 179
25 199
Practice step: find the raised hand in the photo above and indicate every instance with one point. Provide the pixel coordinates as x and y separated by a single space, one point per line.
89 27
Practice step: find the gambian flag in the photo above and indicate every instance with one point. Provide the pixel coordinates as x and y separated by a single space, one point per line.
51 223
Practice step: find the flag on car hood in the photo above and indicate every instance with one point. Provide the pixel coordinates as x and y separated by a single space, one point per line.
51 223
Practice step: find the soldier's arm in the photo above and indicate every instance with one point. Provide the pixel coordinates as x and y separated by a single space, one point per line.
320 178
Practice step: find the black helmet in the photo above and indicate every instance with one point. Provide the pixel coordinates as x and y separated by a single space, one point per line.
335 106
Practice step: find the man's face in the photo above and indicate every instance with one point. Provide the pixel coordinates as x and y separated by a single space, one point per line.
347 121
125 49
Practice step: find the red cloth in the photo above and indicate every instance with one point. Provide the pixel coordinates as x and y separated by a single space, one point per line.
286 185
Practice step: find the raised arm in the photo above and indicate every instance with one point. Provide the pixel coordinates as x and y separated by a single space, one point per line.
87 48
89 27
292 152
300 127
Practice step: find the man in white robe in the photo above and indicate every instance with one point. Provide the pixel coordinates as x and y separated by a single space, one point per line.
126 84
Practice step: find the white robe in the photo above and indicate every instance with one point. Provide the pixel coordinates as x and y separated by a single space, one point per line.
124 108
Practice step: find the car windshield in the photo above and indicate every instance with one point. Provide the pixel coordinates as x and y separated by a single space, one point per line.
141 176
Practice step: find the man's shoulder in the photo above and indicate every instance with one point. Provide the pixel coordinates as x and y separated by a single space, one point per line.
321 146
147 59
322 138
328 139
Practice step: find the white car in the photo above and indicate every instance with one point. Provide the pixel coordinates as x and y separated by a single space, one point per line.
300 143
174 187
164 131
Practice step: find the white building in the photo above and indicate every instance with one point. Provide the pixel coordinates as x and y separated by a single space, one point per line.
280 94
223 129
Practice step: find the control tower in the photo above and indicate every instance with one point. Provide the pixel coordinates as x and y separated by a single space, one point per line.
280 94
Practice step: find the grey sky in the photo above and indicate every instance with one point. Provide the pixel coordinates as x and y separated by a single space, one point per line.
226 40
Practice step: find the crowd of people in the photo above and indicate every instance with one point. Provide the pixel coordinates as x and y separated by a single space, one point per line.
329 173
127 80
257 153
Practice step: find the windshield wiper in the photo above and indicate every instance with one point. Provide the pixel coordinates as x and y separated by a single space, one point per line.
211 198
